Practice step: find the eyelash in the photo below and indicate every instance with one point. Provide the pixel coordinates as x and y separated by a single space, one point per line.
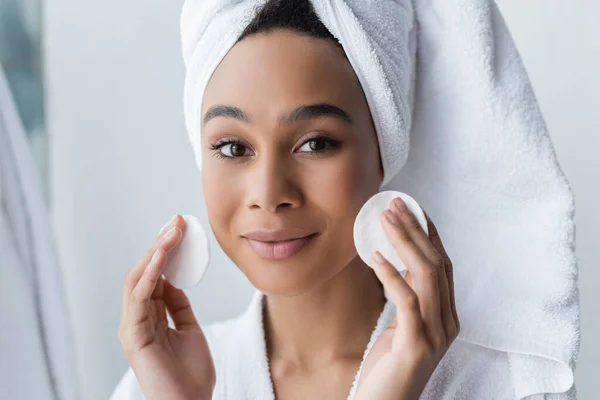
331 144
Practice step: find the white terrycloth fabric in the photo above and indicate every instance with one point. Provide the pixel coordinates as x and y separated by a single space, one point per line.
37 356
481 161
238 347
209 28
481 164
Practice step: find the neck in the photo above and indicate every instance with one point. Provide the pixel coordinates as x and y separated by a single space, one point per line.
332 322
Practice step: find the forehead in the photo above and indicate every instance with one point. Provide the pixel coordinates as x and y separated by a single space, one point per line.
282 67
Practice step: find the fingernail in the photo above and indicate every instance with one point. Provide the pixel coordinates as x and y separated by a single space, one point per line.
167 224
391 217
170 233
378 257
375 264
400 205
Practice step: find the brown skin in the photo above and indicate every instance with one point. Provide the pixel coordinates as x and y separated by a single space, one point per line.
323 302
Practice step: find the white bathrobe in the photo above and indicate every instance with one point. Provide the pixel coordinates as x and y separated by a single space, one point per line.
467 371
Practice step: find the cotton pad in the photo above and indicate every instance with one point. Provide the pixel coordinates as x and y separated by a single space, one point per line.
187 263
369 235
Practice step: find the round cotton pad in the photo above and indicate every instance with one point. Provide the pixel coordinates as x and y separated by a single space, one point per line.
369 235
187 263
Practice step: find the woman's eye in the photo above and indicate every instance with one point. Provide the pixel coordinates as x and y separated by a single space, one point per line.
318 144
235 149
231 149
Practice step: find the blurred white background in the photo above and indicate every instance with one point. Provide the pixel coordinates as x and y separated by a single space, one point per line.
121 164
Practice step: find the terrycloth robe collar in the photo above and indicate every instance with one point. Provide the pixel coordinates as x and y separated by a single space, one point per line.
244 368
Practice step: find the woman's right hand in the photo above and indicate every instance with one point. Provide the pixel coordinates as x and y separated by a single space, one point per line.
168 363
408 351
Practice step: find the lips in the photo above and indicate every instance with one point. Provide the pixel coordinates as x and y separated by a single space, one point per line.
279 250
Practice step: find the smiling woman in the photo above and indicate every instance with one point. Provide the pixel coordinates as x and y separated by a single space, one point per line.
293 133
304 155
289 157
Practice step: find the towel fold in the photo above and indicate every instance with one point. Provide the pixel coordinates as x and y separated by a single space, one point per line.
444 80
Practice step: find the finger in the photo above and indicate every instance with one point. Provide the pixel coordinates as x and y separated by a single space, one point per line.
139 300
408 314
173 221
413 228
437 260
133 275
408 278
167 242
179 308
145 289
449 305
424 277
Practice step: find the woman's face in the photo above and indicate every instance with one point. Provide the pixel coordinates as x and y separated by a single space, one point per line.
288 143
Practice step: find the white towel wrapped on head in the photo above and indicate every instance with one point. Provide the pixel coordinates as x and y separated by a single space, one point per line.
388 86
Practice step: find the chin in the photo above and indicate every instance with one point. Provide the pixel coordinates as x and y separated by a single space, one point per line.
296 275
287 278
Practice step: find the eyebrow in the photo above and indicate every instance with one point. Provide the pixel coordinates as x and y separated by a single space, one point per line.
304 112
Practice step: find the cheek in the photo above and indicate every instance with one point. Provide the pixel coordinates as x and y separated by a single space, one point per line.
341 189
342 186
221 195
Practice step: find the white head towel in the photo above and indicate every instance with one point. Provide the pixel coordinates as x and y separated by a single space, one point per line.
481 162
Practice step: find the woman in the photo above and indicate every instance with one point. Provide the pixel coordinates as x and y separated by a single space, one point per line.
290 153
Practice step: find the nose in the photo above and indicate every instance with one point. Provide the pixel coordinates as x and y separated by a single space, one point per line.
273 185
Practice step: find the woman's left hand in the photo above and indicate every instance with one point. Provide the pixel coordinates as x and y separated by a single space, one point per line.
407 353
